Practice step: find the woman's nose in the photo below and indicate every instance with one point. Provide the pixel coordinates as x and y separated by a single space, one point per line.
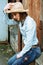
14 16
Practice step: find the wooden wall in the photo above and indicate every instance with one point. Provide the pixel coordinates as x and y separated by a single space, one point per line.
34 11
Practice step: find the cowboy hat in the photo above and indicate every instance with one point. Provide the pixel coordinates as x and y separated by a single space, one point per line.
17 7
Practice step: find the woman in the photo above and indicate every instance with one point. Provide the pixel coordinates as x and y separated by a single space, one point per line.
27 27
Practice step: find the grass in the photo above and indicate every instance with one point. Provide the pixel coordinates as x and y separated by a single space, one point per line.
6 50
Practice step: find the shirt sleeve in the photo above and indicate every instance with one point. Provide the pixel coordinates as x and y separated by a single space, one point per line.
30 32
9 21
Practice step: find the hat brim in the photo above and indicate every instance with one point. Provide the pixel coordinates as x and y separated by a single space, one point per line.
11 11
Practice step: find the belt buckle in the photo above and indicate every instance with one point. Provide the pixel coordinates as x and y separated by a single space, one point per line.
34 46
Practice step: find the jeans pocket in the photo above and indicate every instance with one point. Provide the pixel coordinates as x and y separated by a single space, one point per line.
38 51
25 59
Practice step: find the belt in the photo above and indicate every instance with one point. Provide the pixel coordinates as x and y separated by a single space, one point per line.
34 46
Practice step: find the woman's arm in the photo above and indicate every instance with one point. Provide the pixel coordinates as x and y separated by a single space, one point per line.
9 21
30 39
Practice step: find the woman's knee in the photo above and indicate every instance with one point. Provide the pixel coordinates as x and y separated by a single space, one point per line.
11 60
9 63
18 62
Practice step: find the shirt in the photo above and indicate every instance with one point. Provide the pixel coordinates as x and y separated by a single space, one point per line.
28 31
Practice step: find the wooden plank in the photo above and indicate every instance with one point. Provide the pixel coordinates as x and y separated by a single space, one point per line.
39 61
19 37
4 42
33 63
17 0
34 11
28 5
19 41
19 34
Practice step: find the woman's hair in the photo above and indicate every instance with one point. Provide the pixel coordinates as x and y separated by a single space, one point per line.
10 16
23 15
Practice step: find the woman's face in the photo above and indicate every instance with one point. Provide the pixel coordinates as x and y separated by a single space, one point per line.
16 16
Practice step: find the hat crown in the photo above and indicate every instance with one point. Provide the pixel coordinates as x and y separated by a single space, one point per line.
17 6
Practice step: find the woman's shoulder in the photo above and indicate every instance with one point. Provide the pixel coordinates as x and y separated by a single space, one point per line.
30 22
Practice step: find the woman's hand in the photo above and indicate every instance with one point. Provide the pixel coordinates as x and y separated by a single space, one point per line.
19 55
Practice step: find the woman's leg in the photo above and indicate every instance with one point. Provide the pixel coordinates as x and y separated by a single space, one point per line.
11 60
31 55
38 51
27 58
24 59
18 61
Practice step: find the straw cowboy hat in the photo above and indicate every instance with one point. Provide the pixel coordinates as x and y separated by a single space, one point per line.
17 7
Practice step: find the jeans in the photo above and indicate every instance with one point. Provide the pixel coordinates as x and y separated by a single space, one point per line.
27 58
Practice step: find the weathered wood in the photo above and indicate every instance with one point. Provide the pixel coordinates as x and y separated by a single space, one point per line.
34 11
4 42
36 16
33 63
19 41
10 0
39 61
28 5
17 0
19 37
41 18
13 0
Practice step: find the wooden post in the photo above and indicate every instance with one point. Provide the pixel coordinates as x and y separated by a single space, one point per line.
19 34
33 63
28 5
36 16
19 37
10 0
17 0
19 41
34 11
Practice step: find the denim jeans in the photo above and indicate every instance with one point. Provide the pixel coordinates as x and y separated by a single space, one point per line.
27 58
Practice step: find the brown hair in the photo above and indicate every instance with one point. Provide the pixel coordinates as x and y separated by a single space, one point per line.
23 15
